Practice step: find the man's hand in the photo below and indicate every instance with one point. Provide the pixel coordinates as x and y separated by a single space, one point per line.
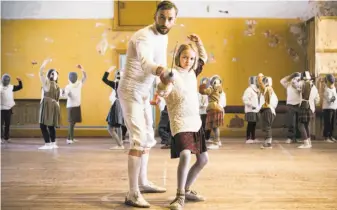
18 79
160 70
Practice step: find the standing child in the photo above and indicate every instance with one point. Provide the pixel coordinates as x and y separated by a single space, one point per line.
49 117
73 93
115 117
203 103
215 112
7 103
310 97
223 102
251 100
291 84
185 123
268 113
329 108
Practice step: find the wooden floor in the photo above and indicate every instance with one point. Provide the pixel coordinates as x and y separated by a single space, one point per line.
87 175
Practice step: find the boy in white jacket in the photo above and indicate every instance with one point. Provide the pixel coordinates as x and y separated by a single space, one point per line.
251 100
7 103
329 108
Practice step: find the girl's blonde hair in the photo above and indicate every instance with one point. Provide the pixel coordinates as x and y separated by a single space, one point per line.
180 50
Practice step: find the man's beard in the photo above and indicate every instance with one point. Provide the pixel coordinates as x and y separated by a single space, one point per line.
160 30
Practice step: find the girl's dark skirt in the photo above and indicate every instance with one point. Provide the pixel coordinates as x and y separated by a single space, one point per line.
252 117
193 141
214 119
74 114
305 115
115 116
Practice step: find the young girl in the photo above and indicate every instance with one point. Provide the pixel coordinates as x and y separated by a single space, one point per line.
115 116
251 100
73 93
329 108
185 123
310 97
7 103
215 112
268 113
49 107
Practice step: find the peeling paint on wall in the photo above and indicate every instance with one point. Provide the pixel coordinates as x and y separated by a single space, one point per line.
30 75
102 46
293 54
267 33
211 58
99 24
49 40
250 27
274 40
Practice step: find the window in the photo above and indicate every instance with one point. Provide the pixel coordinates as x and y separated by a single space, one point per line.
122 61
133 15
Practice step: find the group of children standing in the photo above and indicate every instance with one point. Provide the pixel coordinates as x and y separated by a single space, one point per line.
302 97
260 102
49 114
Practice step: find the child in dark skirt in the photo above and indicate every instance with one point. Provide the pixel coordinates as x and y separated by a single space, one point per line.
203 103
215 112
183 108
268 110
310 98
115 117
49 115
73 93
251 100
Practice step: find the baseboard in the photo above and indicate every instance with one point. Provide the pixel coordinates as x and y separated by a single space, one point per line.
60 132
101 132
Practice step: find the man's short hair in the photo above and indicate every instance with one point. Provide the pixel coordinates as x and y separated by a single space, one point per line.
166 5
